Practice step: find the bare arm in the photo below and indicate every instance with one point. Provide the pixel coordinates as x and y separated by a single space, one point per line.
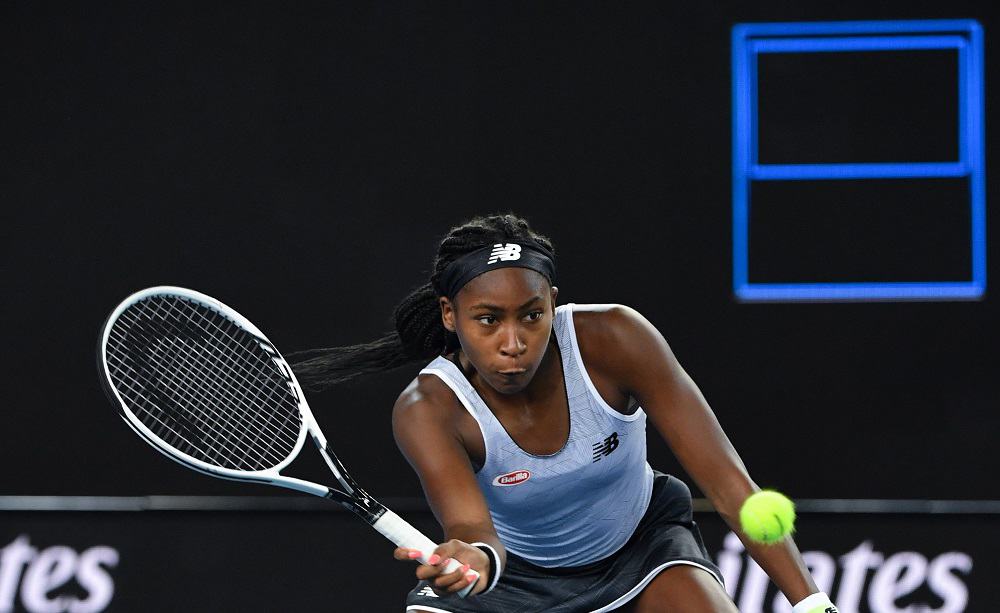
423 423
647 369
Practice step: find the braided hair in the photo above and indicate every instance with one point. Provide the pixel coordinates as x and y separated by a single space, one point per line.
419 334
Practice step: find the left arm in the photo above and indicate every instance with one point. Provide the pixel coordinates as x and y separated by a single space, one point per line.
646 368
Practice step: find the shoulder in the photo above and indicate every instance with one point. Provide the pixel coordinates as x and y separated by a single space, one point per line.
618 342
605 326
432 429
426 401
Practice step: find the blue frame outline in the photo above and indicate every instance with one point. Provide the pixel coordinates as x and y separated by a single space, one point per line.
748 40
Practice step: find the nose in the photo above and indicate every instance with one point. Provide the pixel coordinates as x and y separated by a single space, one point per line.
511 344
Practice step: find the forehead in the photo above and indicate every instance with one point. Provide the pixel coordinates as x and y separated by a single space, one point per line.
504 287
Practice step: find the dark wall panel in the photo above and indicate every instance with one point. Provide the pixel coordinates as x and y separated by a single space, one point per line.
299 163
246 561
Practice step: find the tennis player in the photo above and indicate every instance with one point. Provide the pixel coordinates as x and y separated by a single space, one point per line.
528 432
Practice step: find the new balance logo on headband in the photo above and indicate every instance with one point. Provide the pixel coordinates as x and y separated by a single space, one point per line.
507 253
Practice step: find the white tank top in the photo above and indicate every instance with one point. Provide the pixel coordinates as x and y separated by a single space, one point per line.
575 506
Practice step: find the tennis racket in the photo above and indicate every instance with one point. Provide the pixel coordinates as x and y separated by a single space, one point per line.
204 386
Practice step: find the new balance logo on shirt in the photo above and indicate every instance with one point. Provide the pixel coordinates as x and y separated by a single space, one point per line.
606 446
507 253
427 591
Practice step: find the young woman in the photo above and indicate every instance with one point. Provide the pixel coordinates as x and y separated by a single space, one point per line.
527 430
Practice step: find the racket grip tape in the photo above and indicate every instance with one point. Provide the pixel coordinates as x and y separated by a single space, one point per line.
399 531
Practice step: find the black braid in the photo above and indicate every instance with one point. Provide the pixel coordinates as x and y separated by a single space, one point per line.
419 335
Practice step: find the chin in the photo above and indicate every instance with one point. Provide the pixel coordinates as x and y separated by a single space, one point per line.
510 390
505 386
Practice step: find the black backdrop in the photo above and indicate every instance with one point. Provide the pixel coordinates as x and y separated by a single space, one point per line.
300 162
251 561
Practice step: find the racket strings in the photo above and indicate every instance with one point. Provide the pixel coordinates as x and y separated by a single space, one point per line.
291 418
201 408
265 431
211 418
196 368
277 392
218 437
181 386
203 384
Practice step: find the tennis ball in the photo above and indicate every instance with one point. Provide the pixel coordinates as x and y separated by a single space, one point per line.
767 516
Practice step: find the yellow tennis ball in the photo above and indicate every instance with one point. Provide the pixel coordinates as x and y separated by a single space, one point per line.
767 516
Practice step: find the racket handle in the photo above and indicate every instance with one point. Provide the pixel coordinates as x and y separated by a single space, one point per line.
399 531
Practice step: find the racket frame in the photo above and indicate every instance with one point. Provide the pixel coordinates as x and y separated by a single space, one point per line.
271 475
356 499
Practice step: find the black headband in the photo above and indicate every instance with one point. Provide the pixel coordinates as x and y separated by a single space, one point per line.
501 255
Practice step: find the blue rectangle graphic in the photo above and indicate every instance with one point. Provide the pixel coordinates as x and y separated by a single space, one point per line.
750 40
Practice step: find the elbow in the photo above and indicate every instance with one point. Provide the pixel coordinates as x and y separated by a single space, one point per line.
728 499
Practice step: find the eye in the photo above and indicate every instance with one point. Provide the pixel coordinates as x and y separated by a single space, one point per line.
534 315
488 320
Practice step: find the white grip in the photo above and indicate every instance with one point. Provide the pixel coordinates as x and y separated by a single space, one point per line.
399 531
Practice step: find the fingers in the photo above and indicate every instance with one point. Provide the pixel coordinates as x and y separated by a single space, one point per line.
435 570
415 555
437 562
450 582
436 566
464 577
453 581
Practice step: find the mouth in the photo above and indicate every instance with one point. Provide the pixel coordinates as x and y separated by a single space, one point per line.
510 379
512 372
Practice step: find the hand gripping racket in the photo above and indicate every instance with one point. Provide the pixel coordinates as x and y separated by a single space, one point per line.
205 387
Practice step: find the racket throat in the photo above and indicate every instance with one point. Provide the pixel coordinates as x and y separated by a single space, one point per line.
367 508
330 458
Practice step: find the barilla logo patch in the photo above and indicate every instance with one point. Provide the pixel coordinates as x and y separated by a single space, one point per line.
508 252
515 478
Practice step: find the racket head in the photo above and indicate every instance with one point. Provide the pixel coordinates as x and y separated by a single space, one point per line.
202 384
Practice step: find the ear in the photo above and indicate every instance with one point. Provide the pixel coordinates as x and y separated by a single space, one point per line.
555 293
447 314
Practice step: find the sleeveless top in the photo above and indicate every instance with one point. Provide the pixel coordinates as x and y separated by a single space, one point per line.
580 504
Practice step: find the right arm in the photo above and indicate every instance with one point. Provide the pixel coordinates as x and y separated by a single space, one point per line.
426 422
